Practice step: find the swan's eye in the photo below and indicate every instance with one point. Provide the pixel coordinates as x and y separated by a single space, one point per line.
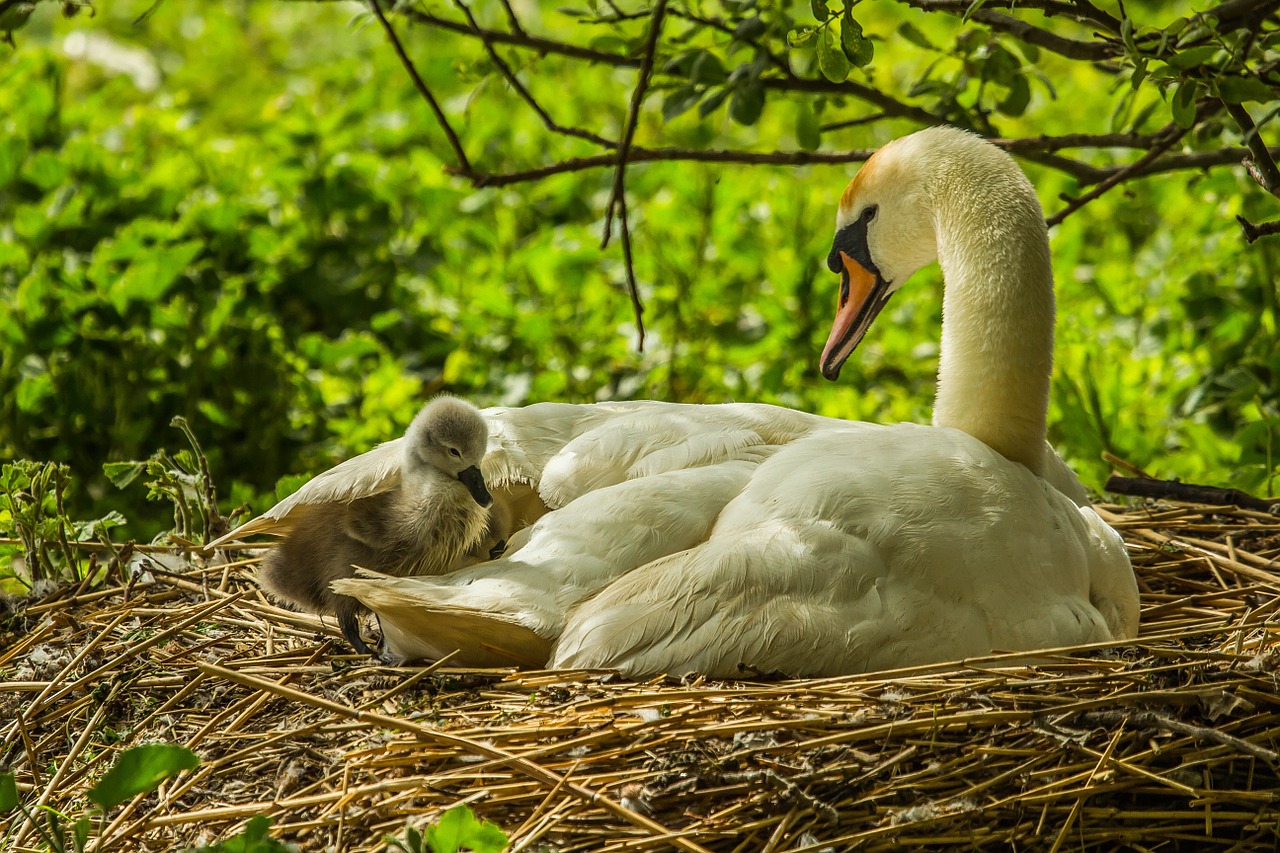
455 452
869 213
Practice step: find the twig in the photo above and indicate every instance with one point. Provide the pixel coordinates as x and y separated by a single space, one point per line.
464 165
520 89
1152 720
1262 229
617 196
1259 164
646 155
633 116
1190 492
632 287
1172 134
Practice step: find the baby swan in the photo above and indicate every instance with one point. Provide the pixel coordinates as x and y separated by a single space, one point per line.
434 516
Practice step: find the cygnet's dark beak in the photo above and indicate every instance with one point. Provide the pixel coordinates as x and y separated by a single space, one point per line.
472 479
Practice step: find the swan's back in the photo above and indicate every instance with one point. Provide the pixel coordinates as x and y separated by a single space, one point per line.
860 549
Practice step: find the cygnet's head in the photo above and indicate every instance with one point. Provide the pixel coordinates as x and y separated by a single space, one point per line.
449 435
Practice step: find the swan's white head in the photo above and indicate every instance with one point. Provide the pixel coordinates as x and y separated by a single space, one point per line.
450 436
885 231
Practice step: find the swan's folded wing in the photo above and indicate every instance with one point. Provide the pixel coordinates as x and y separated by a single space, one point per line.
415 627
370 473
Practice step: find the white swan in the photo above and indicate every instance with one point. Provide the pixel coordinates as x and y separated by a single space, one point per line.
731 539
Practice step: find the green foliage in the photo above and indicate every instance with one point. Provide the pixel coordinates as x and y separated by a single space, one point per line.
33 499
140 770
184 481
457 829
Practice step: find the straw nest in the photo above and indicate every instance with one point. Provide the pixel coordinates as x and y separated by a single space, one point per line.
1168 742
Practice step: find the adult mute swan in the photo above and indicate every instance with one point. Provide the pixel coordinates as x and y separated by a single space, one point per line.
732 539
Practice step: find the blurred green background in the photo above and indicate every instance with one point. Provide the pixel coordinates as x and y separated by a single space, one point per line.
240 213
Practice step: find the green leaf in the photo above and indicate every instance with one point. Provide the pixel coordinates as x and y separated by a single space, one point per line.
15 17
832 62
820 10
1237 90
912 33
798 37
1015 103
140 770
152 273
8 792
808 130
711 102
679 101
707 69
1139 73
750 29
459 829
121 474
747 104
1184 104
1193 57
1126 33
32 391
856 47
81 833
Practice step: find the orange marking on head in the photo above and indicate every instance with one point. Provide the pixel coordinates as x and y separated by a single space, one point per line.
865 174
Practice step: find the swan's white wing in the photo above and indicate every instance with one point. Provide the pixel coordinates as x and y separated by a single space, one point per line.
370 473
567 450
871 548
569 555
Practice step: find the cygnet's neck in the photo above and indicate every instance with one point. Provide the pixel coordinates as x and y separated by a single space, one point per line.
997 312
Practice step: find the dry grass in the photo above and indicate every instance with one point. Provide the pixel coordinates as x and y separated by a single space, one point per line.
1169 742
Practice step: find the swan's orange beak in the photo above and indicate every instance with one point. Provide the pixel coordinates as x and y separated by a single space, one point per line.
862 295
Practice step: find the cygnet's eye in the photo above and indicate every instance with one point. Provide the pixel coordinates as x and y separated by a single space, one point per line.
455 452
869 213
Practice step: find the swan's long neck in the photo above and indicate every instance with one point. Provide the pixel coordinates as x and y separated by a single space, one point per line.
997 313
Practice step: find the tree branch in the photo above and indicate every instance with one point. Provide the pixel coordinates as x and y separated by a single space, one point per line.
633 117
1262 229
464 165
1074 204
522 91
649 155
1259 164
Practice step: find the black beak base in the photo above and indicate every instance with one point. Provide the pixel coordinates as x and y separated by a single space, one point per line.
474 481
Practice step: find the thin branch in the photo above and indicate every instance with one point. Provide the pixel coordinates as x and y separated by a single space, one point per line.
618 195
1078 10
1092 51
633 117
632 287
1074 204
1262 229
1195 160
1049 144
1259 164
649 155
464 165
550 123
1021 30
521 39
512 19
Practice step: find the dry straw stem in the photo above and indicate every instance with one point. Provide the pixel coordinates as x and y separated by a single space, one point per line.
1166 742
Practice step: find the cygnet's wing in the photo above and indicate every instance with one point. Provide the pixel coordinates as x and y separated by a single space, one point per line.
368 474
